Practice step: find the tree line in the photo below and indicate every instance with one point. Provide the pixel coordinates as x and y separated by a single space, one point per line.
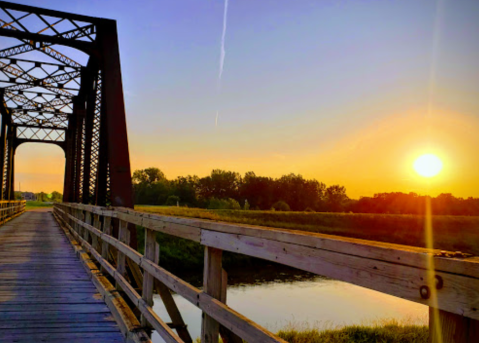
42 196
412 203
230 190
227 189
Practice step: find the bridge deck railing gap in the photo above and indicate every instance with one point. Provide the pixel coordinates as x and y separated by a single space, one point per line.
445 282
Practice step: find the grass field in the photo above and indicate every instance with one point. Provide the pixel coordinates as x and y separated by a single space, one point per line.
36 204
450 232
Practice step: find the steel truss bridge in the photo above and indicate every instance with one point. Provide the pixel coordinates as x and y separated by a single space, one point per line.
76 275
60 83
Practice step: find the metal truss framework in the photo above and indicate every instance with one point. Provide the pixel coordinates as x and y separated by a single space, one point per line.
49 97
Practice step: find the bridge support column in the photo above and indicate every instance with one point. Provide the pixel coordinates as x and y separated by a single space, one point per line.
10 163
446 327
3 157
69 165
114 118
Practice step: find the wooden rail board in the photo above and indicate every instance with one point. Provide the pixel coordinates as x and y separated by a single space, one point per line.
45 293
430 277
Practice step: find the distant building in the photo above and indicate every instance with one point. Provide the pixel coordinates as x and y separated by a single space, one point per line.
28 196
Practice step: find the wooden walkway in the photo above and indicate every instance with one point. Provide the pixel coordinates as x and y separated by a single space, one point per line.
45 293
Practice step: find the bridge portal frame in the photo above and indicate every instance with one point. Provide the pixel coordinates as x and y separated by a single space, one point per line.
77 107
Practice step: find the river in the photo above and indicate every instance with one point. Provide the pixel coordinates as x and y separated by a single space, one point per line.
277 297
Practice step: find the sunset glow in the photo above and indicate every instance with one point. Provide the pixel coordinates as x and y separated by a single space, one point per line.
428 165
358 108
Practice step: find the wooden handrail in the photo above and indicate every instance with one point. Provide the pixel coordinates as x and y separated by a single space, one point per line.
10 209
424 276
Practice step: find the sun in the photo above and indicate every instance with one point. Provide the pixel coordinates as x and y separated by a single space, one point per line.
428 165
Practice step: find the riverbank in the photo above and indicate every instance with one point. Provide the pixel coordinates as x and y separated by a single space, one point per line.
390 332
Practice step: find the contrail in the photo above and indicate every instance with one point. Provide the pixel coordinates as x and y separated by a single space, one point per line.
223 51
222 55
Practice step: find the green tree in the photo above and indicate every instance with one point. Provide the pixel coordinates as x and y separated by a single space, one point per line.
336 198
280 206
148 176
257 190
172 200
56 196
150 186
186 189
220 184
223 204
42 196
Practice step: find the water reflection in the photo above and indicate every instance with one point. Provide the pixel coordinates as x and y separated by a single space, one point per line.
275 299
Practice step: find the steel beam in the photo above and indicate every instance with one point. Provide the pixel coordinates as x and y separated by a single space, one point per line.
10 163
121 191
89 85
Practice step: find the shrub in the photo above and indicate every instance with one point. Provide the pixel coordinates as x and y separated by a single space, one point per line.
223 204
172 200
281 206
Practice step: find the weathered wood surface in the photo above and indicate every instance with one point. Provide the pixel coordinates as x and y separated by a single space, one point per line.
221 313
45 293
447 327
451 283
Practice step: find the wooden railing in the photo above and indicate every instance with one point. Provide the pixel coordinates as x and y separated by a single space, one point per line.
10 209
447 282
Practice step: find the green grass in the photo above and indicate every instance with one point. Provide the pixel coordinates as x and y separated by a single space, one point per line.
392 333
450 232
388 331
36 204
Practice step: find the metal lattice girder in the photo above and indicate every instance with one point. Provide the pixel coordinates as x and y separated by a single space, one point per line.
40 134
57 99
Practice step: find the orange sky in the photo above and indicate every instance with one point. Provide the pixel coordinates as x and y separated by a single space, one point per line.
376 158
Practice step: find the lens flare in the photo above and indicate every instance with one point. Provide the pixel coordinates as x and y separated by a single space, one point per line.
428 165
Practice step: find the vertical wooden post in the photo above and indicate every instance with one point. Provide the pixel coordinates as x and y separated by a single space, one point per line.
96 225
75 214
227 335
446 327
120 259
68 219
104 245
211 285
87 220
150 252
79 215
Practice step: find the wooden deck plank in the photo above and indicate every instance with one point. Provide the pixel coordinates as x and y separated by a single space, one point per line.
54 330
45 293
44 324
62 340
